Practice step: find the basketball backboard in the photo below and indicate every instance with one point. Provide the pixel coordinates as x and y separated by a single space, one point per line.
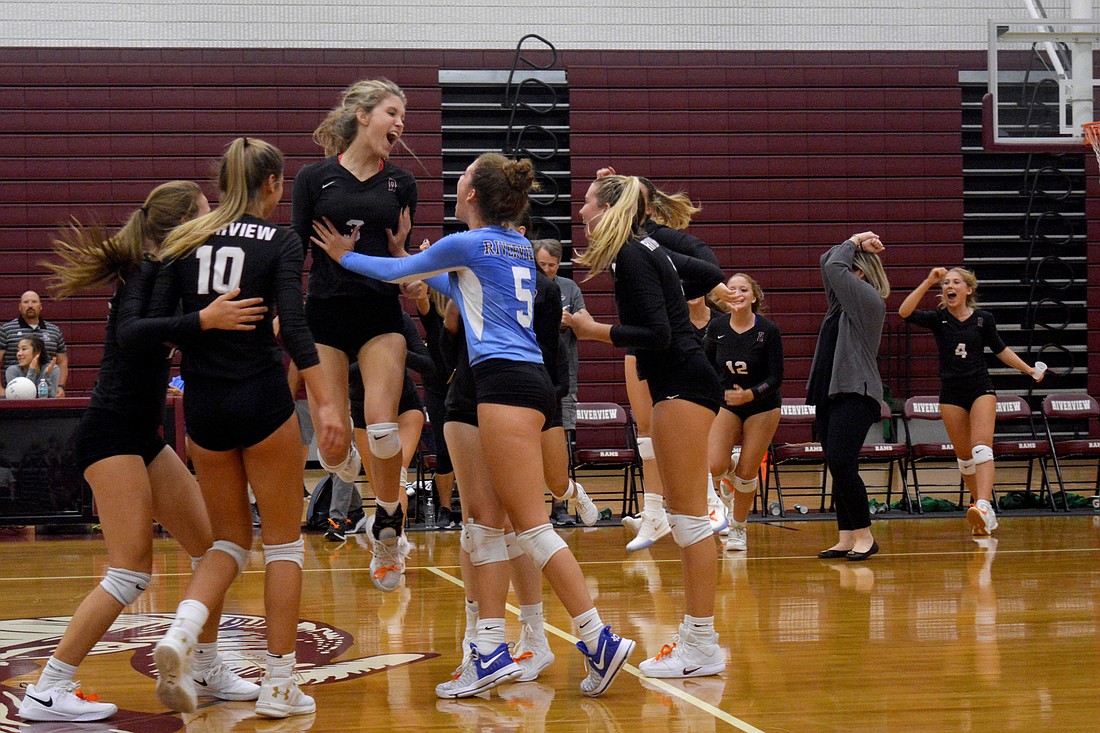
1041 82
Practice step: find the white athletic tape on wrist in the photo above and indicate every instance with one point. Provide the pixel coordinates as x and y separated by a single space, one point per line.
239 554
746 486
982 454
125 585
541 543
688 530
645 449
966 466
487 544
294 552
385 441
514 550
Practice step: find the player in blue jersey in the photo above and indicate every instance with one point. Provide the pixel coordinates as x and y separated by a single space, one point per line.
490 274
968 402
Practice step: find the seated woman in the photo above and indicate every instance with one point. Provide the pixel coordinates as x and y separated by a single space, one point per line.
29 360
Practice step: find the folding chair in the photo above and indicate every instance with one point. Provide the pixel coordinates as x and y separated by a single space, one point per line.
1077 411
605 443
888 455
796 420
1030 450
926 408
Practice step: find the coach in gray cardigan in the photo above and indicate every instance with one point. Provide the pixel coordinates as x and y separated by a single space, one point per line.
845 385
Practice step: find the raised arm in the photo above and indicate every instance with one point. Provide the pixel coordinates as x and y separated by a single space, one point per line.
935 276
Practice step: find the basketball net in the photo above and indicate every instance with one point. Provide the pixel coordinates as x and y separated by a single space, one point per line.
1091 131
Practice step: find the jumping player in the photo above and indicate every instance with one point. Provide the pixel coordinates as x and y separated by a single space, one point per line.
968 402
364 196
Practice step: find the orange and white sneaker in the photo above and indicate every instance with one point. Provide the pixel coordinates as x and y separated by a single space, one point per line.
982 518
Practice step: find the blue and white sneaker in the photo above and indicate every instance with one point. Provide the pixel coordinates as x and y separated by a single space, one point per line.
481 673
603 664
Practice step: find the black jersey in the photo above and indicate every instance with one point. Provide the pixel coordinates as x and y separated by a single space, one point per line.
133 373
653 314
265 261
750 360
328 189
679 241
961 343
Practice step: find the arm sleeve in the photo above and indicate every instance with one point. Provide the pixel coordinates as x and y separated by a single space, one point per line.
642 281
440 283
547 318
836 269
688 245
53 381
149 299
775 365
417 357
12 372
697 276
301 205
293 330
924 319
449 253
710 343
411 202
990 334
61 348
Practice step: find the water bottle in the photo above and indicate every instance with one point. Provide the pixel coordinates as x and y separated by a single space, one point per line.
802 509
43 388
429 509
775 509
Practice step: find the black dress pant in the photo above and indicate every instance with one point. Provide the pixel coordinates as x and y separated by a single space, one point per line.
842 423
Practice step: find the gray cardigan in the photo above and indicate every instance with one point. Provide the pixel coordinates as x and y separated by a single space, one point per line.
862 313
53 377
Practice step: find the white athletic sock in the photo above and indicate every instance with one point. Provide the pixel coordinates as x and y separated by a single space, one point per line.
280 666
589 626
191 616
206 656
531 615
701 627
490 635
471 619
653 503
54 673
389 506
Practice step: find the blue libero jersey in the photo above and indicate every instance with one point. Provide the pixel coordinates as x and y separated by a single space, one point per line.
490 274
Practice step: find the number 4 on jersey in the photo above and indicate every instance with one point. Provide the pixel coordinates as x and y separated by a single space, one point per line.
960 350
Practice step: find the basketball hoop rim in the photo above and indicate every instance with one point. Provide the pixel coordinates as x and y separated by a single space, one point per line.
1091 133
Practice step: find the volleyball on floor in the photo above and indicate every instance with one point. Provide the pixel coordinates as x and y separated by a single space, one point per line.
21 388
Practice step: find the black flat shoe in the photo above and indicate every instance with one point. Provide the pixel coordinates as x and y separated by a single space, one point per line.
861 556
833 554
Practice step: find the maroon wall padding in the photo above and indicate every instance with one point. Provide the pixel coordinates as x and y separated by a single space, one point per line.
787 152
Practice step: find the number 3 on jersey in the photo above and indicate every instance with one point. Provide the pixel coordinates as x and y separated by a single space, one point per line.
522 275
228 264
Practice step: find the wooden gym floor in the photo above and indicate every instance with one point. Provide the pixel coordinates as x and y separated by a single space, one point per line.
936 633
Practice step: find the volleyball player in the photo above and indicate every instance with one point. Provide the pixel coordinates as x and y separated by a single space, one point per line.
364 196
134 476
240 417
666 216
746 350
684 389
491 276
968 401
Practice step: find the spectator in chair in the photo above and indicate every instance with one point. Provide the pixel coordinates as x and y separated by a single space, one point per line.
31 323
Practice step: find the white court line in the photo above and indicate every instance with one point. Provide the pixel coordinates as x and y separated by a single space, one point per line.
660 684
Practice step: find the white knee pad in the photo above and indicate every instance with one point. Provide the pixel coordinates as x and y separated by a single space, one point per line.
966 466
512 542
239 554
385 441
541 543
294 552
982 454
746 486
487 544
464 538
125 585
687 530
645 449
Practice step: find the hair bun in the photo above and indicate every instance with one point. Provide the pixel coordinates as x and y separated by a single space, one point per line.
520 174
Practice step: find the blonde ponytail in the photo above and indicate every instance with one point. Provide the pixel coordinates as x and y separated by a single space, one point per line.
245 166
671 210
90 258
617 226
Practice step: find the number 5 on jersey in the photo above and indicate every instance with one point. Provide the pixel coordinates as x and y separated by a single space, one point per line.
225 275
522 275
